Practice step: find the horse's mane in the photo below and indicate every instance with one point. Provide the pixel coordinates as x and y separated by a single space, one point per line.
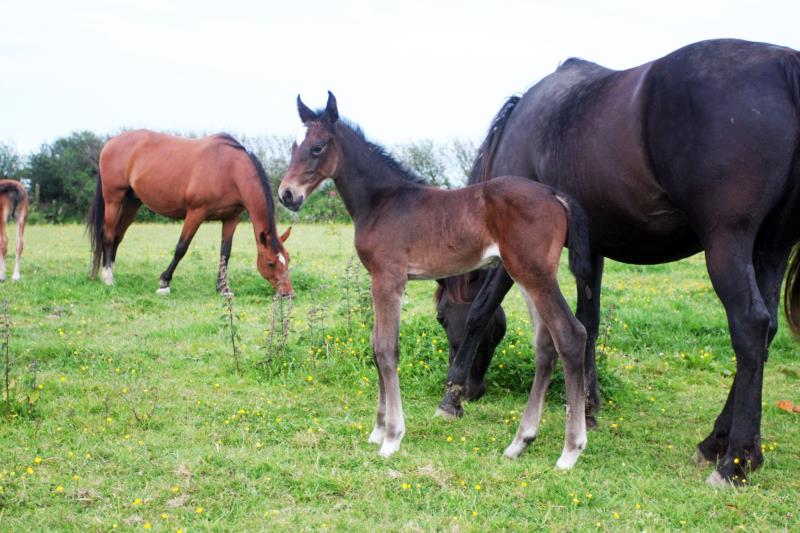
482 167
228 140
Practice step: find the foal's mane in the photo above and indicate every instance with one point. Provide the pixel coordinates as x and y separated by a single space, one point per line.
383 154
228 140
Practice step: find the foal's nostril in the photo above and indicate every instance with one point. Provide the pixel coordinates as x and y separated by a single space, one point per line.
287 197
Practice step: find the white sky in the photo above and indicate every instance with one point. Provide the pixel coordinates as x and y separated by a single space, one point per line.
403 70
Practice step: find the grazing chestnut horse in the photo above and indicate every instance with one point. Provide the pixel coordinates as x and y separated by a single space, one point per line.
214 178
13 202
407 230
698 150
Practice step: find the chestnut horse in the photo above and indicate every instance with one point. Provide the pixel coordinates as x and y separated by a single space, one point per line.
213 178
13 202
407 230
695 151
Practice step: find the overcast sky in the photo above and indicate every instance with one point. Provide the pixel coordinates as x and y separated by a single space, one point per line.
403 70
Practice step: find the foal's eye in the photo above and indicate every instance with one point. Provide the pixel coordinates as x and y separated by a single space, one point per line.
317 149
271 264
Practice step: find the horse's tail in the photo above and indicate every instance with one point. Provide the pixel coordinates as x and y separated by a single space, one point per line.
95 222
482 167
16 193
580 255
791 294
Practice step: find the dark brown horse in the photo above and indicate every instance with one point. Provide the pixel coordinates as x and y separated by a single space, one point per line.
407 230
214 178
13 203
695 151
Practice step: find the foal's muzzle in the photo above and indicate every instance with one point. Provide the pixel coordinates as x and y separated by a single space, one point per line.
290 201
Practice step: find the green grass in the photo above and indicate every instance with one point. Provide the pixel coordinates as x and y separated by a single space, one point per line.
141 413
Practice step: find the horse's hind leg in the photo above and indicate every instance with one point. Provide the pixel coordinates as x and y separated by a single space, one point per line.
190 224
588 312
228 227
769 264
545 362
126 218
113 212
3 239
22 215
730 267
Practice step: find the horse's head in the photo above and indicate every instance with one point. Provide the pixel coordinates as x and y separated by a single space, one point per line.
315 154
273 262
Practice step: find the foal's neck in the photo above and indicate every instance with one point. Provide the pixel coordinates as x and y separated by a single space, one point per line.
366 177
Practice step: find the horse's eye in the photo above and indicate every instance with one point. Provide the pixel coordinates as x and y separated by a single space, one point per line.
271 264
317 149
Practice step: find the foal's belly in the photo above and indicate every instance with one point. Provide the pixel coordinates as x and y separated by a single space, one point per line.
443 265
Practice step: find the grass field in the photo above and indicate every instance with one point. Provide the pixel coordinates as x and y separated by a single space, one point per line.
135 416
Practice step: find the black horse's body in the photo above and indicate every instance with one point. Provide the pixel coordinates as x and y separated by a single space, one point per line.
698 150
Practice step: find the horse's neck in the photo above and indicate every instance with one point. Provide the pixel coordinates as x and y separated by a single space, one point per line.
366 179
255 202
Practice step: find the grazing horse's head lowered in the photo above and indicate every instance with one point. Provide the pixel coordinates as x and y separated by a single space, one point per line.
273 262
315 155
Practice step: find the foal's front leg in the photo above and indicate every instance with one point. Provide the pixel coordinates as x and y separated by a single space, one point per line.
387 292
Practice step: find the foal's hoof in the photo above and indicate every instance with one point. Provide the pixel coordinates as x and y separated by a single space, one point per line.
699 459
162 291
591 422
377 435
227 293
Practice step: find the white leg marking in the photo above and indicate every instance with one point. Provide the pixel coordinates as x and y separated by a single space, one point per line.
2 268
376 437
162 291
15 277
107 276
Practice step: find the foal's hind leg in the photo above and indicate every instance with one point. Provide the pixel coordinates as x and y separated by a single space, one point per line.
545 363
569 338
190 224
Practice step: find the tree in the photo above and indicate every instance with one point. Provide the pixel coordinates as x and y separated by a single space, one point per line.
10 162
66 174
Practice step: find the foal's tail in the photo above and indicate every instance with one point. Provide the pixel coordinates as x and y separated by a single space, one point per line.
95 222
580 255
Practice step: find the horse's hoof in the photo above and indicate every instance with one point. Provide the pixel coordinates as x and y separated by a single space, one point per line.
568 459
699 459
514 450
227 293
162 291
377 435
449 413
717 481
591 422
389 447
107 275
15 277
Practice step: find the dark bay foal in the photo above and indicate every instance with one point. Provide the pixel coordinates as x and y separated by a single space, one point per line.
407 230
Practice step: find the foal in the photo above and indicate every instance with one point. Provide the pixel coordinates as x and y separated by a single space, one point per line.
406 230
13 202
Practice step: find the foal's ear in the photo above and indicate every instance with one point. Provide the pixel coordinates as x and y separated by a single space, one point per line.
286 234
331 110
306 115
262 237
